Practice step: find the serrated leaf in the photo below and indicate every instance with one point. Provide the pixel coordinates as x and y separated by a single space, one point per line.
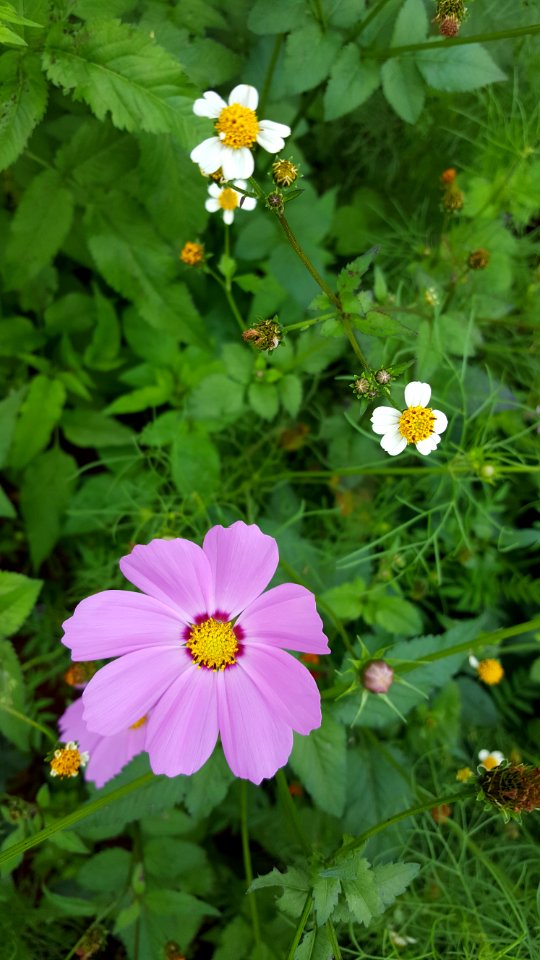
116 69
392 879
457 68
352 81
39 414
325 896
9 408
18 595
12 694
315 945
361 894
403 87
9 14
295 884
39 227
23 98
264 400
195 464
279 17
411 23
376 324
45 493
153 395
9 36
206 789
320 761
309 57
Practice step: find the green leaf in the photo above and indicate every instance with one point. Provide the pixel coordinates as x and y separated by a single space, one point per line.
411 23
102 351
195 465
296 884
352 81
278 17
12 694
264 400
6 507
116 69
315 945
106 871
39 227
309 56
217 398
9 36
396 615
153 395
39 414
345 601
376 324
361 894
45 493
207 788
377 788
69 906
9 408
23 98
403 88
457 68
89 428
10 15
290 393
325 896
69 841
18 595
138 264
392 879
320 762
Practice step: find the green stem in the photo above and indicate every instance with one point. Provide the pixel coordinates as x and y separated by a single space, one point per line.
285 226
453 287
301 927
390 52
292 812
63 823
331 931
229 297
270 73
483 639
247 863
410 812
31 723
304 324
305 476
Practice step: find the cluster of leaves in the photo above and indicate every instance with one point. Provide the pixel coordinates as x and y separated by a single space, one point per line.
132 409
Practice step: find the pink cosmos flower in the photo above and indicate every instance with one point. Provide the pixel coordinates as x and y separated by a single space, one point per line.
203 649
108 755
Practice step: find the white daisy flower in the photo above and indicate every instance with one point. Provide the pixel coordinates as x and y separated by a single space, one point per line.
228 200
418 424
238 129
490 758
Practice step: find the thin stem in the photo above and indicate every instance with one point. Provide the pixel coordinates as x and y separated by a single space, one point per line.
390 52
304 324
410 812
63 823
229 296
31 723
301 927
453 287
292 812
270 73
331 931
246 853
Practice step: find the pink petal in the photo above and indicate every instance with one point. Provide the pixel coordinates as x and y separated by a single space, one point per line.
256 741
285 684
73 727
112 754
173 571
125 690
285 617
183 728
115 622
243 560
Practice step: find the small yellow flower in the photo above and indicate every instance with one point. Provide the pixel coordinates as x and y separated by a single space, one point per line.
284 172
490 671
490 759
464 774
192 254
68 760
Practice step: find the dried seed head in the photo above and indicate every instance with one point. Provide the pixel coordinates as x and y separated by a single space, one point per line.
265 335
383 377
449 26
513 788
478 259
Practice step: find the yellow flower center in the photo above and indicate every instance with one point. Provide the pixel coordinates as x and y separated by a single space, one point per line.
416 423
192 253
237 126
490 762
138 723
66 762
228 199
213 644
490 671
464 774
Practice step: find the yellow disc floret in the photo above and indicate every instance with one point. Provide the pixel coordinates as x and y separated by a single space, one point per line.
138 723
490 671
416 423
237 126
464 774
192 253
213 644
490 762
67 761
228 199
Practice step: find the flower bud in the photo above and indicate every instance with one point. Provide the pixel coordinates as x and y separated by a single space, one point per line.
453 199
284 172
378 676
265 335
383 377
192 254
448 176
275 202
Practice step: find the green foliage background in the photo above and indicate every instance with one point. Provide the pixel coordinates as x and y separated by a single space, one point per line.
132 409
